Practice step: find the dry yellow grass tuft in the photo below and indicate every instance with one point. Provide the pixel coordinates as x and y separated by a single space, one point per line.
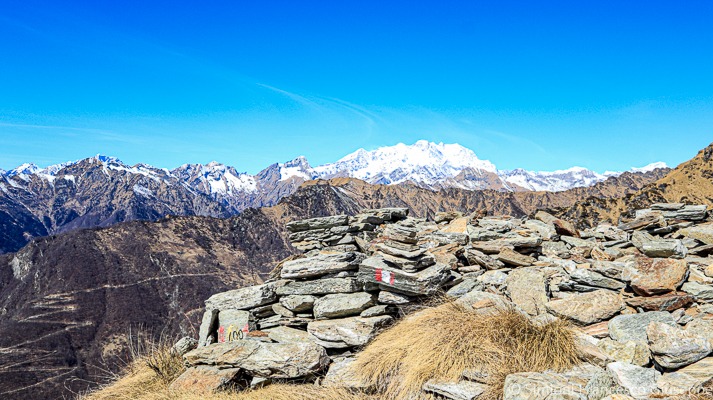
441 342
437 343
303 392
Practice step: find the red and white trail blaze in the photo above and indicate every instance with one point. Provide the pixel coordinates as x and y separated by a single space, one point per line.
384 276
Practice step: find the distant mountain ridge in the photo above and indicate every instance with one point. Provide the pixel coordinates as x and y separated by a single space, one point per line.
426 164
102 190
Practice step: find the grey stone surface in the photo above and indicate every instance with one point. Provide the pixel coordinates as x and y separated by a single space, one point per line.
266 360
673 347
624 328
284 334
319 286
342 374
297 302
346 332
592 278
587 308
699 291
321 264
463 390
317 223
526 287
243 299
640 382
342 305
425 282
630 352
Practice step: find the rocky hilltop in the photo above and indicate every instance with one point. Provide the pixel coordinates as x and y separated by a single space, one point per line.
690 182
638 293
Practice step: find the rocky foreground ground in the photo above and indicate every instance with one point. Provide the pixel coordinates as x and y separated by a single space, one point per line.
639 295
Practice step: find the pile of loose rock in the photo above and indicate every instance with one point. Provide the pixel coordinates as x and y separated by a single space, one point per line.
640 292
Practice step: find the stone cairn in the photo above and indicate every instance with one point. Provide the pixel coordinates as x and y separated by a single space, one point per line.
640 293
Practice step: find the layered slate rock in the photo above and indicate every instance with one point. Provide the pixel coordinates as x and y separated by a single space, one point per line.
346 332
321 264
342 305
320 286
243 299
425 282
463 390
652 276
266 360
673 347
588 308
357 276
527 288
204 379
640 382
633 327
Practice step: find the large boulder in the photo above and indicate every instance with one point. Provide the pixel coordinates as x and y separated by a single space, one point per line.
425 282
630 352
640 382
652 276
587 308
285 334
702 370
664 302
632 327
317 223
265 360
700 291
703 233
321 264
346 332
463 390
342 305
569 385
205 379
341 374
298 302
673 347
244 298
592 278
319 286
527 288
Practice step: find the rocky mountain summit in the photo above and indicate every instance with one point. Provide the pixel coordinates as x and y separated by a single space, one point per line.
639 294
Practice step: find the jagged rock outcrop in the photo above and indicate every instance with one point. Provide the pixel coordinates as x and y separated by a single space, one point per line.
360 274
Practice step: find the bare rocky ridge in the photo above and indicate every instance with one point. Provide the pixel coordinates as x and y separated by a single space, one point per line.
690 182
640 294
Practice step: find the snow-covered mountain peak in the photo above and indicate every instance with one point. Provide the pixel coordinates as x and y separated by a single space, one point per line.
24 170
422 162
650 167
299 168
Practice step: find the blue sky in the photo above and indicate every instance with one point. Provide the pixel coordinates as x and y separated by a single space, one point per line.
539 85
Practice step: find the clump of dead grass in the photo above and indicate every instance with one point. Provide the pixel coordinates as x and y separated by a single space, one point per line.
442 342
303 392
157 355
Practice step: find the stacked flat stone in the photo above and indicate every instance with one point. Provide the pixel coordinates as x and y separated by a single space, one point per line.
641 293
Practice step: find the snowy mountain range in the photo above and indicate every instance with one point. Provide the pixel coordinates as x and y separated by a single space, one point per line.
425 164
